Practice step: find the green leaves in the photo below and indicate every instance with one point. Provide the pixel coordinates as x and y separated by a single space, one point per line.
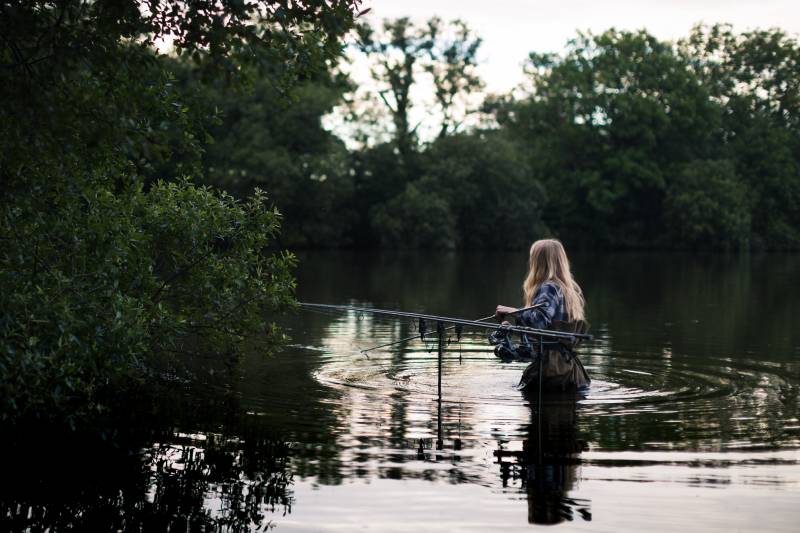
415 219
708 206
104 268
145 272
263 140
644 143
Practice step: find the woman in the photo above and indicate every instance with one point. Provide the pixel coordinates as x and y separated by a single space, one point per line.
556 302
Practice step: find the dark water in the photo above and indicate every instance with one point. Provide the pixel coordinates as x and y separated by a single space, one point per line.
692 421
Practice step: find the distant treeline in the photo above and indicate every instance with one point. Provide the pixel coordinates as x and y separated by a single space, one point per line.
622 141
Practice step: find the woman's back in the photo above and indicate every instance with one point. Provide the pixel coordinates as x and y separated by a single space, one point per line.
549 306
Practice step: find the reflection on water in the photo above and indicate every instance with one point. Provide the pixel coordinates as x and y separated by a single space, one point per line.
694 407
186 482
546 467
209 482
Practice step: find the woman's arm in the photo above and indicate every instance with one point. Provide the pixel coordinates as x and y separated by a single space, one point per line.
546 299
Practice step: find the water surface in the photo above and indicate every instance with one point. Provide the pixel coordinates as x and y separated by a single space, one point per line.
691 421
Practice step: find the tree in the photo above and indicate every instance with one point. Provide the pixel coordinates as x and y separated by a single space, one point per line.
401 56
452 65
404 53
755 76
397 53
493 197
101 270
605 127
416 218
264 141
707 206
475 193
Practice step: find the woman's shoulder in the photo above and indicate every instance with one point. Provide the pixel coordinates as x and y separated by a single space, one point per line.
550 291
550 287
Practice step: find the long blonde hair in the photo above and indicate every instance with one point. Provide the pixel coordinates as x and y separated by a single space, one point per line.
548 262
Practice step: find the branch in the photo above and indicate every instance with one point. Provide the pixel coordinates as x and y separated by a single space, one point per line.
178 273
385 101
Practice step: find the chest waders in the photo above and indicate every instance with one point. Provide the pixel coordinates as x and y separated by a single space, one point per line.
554 365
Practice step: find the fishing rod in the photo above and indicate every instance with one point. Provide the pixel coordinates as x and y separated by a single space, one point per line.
449 320
458 328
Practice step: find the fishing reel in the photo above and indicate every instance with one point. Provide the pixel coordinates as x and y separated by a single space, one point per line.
498 337
506 350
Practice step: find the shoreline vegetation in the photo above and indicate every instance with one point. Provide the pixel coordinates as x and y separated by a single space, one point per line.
113 270
135 235
621 142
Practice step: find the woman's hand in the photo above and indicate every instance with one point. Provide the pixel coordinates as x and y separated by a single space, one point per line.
503 310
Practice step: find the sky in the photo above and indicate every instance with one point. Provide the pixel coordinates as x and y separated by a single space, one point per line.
512 28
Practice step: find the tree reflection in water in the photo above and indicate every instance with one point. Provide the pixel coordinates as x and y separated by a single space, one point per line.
220 483
202 483
151 478
546 467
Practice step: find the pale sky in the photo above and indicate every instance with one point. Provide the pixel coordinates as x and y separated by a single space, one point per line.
512 28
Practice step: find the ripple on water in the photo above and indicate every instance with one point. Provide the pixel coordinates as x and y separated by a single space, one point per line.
679 388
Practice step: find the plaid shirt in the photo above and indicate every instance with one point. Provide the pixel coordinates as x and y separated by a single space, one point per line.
550 300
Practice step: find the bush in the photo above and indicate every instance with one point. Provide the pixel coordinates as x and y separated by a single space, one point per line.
495 200
707 205
416 218
92 289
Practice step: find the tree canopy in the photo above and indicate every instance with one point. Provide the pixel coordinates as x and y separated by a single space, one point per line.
106 265
621 141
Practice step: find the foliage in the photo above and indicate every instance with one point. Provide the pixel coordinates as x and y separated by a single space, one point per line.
452 65
707 206
102 270
493 197
623 141
380 174
262 139
58 58
627 133
398 51
607 122
756 77
400 203
103 280
416 218
475 192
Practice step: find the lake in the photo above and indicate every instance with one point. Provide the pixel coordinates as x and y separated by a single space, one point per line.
692 420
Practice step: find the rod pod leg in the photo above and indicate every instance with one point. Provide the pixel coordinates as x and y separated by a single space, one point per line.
539 407
440 329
